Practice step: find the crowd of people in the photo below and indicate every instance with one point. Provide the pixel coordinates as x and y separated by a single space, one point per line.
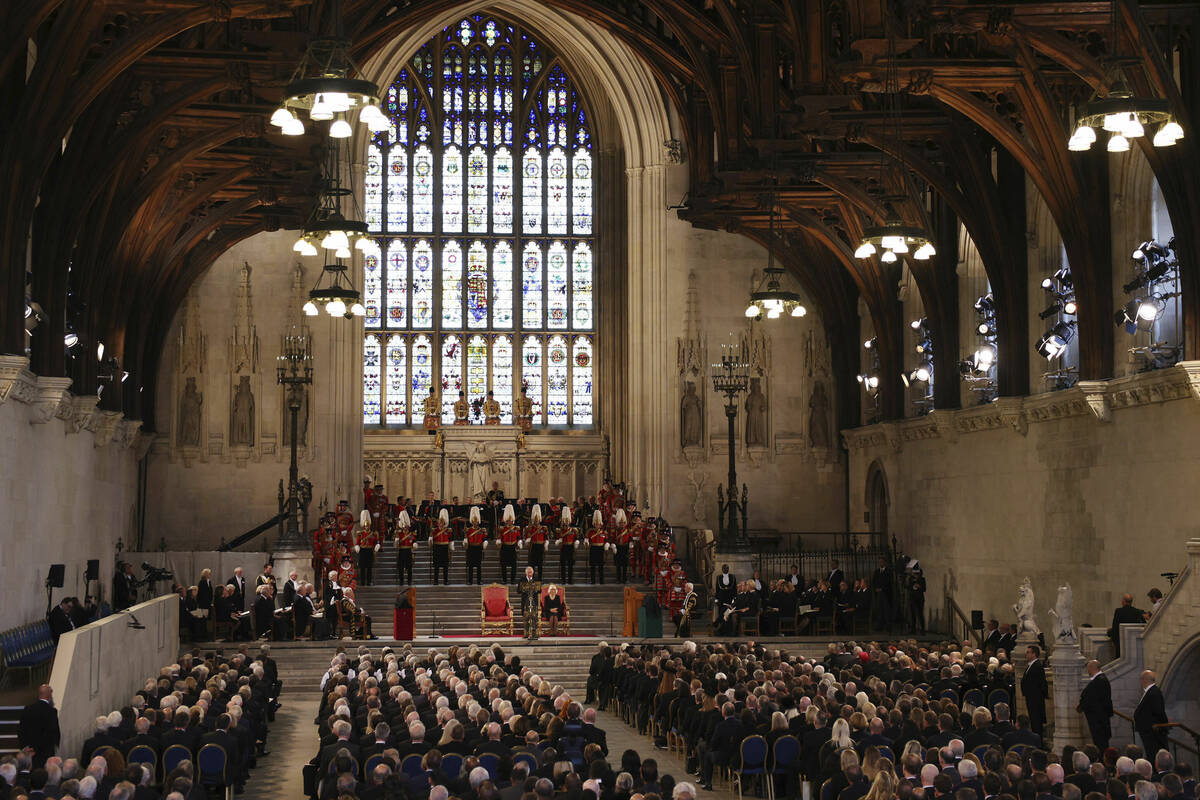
794 605
606 525
223 700
894 721
469 723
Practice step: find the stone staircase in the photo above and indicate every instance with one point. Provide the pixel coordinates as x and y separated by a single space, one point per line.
454 610
10 716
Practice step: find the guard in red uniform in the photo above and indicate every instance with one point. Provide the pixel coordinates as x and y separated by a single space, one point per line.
535 533
443 543
622 536
345 523
406 542
597 544
377 504
568 540
675 596
476 543
510 540
662 577
367 546
649 551
347 575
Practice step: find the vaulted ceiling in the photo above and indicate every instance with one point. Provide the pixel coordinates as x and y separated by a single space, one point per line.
136 150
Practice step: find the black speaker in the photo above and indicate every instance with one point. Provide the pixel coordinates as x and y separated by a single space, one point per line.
93 570
976 620
55 577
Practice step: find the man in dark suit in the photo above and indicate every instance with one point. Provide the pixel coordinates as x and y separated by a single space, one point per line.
991 639
725 590
596 670
221 737
1008 639
124 587
291 587
1126 614
38 726
1095 703
1034 688
60 618
141 738
342 729
592 734
181 733
1021 735
722 746
836 576
238 582
1151 710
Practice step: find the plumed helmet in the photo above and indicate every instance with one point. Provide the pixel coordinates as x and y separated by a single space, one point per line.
444 518
510 516
474 516
619 515
597 519
403 519
364 518
536 514
566 516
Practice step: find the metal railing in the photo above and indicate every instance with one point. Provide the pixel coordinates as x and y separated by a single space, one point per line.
1175 744
854 562
960 623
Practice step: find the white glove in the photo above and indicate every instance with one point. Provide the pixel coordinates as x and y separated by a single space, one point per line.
414 546
376 548
356 548
485 544
577 543
520 543
451 544
611 546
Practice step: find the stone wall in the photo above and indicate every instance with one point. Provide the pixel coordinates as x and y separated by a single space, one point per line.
1090 485
215 469
68 483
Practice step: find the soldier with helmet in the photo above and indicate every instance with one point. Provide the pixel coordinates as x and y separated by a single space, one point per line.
567 539
535 533
476 543
443 543
510 540
367 545
406 542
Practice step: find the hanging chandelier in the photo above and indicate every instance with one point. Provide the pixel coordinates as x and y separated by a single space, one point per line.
894 238
336 222
322 87
337 296
772 299
1120 113
1124 117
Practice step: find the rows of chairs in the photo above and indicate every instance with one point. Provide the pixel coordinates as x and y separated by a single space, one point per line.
29 648
211 764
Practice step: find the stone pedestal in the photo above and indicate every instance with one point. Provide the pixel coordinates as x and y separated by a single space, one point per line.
1019 662
299 560
1069 726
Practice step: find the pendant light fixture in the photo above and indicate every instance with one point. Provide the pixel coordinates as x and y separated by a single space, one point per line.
894 238
334 292
1121 114
336 221
322 87
772 300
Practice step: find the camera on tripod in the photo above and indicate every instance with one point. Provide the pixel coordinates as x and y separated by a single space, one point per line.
154 574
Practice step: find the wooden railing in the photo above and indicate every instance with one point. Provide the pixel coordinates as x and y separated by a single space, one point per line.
1176 744
960 624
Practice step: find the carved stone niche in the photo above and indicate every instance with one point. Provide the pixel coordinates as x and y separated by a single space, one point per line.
79 413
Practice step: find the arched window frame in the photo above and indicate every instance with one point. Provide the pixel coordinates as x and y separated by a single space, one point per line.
455 132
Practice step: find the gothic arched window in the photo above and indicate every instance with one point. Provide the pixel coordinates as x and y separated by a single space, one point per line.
481 195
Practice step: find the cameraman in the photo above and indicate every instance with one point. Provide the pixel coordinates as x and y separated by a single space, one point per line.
124 586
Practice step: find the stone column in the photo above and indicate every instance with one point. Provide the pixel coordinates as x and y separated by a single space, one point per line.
1069 727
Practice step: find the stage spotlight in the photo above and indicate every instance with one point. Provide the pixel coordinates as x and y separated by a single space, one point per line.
1050 310
870 343
985 304
1054 342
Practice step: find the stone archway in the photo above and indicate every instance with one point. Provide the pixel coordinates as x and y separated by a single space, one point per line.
633 118
1179 682
877 503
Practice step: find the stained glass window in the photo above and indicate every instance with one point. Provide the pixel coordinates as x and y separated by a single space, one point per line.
581 381
397 367
531 374
452 382
372 290
482 196
371 359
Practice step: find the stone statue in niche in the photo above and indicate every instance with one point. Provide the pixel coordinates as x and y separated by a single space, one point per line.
241 427
818 418
691 425
301 423
189 415
480 460
756 415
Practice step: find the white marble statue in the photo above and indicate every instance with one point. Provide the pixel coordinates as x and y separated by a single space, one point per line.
480 460
1065 634
1023 608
